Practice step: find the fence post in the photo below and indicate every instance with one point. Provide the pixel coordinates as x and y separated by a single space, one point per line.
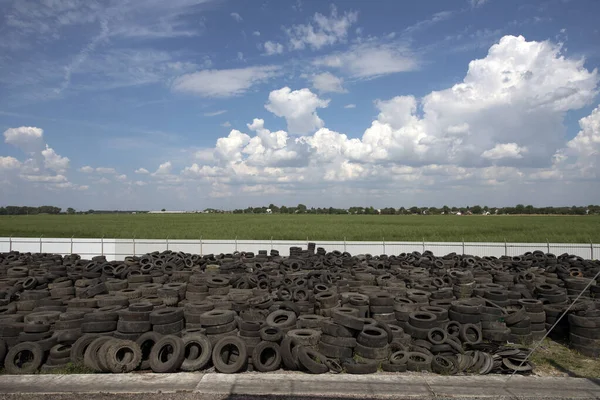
134 245
41 243
102 246
167 243
548 245
463 246
72 244
424 246
201 253
383 245
505 248
236 244
271 242
10 243
344 244
591 250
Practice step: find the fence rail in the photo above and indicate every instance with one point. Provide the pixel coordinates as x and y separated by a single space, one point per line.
118 249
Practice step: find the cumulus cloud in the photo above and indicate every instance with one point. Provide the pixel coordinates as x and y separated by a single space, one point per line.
225 82
86 169
298 107
9 163
121 178
142 171
326 82
350 106
226 124
273 48
27 138
322 30
164 169
501 124
236 17
44 178
53 161
504 150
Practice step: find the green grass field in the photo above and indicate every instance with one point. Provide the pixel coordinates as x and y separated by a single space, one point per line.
567 229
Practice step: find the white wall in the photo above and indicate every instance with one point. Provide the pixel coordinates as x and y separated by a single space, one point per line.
118 249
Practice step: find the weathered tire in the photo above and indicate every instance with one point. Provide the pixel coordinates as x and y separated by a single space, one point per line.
198 352
222 351
312 360
266 356
24 358
167 354
146 342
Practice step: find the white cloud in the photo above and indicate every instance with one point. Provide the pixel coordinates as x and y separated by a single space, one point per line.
504 150
273 48
226 124
86 169
142 171
224 83
164 169
256 33
240 56
103 181
236 16
229 148
477 3
106 170
214 113
53 161
350 106
321 31
326 82
371 59
140 183
27 138
298 107
121 178
9 163
44 178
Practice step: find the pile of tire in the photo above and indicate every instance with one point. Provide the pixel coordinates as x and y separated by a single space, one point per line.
314 311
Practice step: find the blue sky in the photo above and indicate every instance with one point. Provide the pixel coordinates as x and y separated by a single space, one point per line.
189 104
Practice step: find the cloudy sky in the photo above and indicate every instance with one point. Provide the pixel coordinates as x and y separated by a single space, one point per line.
188 104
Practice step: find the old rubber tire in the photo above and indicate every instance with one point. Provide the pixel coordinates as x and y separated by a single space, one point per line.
312 360
146 341
123 356
222 351
167 354
198 352
266 356
24 358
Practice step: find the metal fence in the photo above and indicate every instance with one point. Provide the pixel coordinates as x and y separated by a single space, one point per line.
118 249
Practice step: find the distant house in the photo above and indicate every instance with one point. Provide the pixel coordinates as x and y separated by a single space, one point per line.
269 211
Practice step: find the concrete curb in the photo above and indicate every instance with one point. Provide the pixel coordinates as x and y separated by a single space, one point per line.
214 385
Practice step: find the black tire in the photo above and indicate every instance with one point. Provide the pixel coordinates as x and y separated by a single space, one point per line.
224 349
334 329
422 319
339 341
122 356
287 346
133 326
165 316
217 329
134 316
271 334
266 356
24 358
282 319
333 351
198 352
169 329
388 367
90 357
463 318
217 317
418 362
348 321
312 360
470 334
372 336
305 337
61 351
375 353
78 348
146 341
167 354
98 327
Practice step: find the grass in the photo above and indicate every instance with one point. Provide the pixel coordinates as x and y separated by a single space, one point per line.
71 368
557 229
555 359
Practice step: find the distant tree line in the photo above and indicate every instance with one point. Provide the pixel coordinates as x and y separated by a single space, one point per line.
444 210
24 210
